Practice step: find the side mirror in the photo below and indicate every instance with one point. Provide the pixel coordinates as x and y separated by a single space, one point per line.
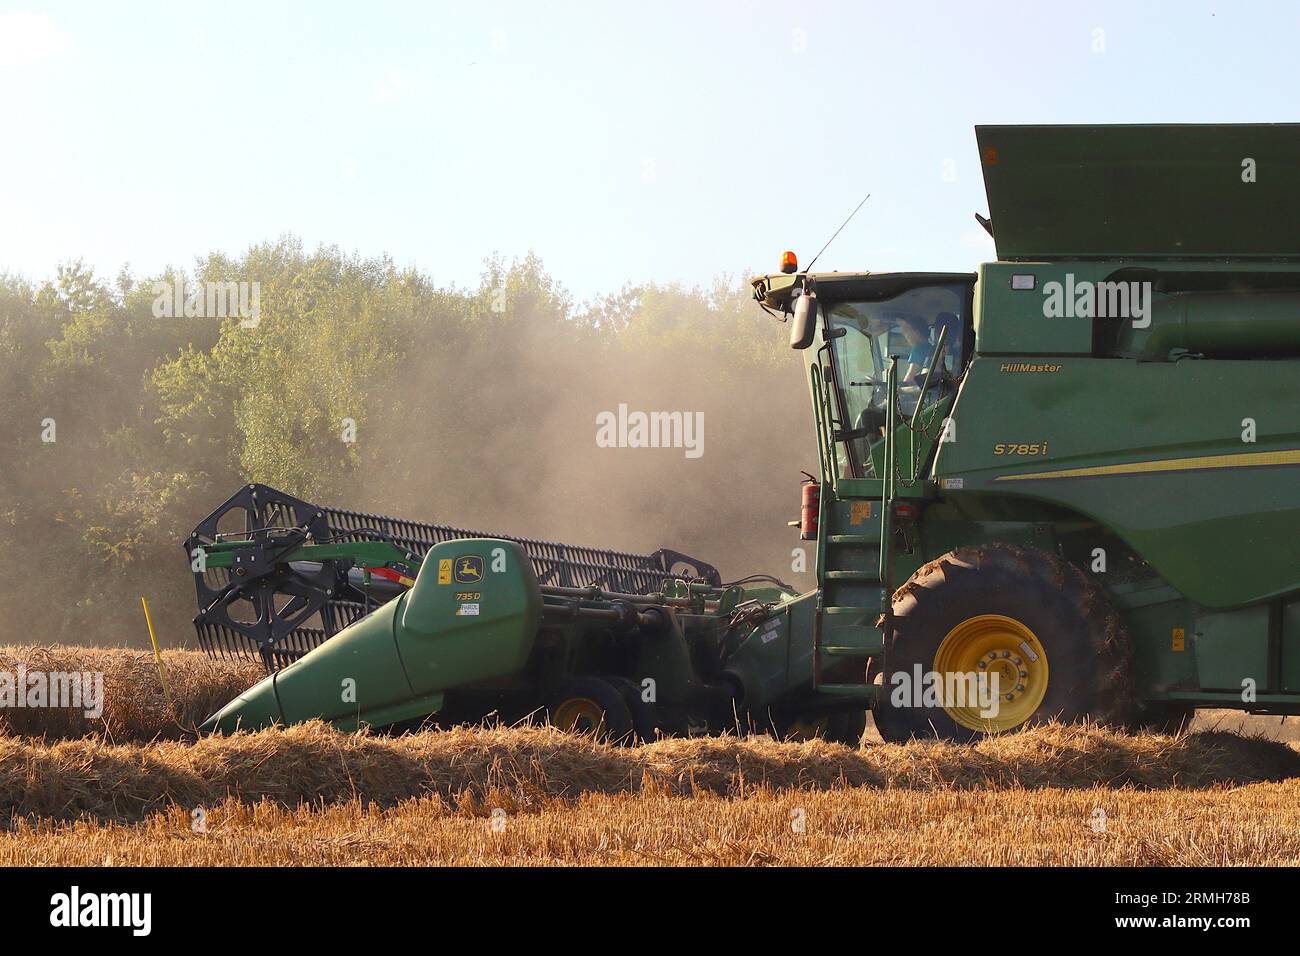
804 325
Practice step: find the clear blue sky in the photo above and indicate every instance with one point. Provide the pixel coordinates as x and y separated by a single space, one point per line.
628 141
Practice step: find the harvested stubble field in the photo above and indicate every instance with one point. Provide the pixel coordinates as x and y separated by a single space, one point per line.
135 788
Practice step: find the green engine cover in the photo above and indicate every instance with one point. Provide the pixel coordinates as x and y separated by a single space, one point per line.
1151 450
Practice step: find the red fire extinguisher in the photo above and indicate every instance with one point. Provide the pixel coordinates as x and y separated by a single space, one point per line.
808 510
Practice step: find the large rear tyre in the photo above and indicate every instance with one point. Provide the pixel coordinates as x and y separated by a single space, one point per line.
1018 621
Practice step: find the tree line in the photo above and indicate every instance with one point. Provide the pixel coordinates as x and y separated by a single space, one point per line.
368 386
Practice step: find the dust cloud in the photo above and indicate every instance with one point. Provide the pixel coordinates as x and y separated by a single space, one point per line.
516 451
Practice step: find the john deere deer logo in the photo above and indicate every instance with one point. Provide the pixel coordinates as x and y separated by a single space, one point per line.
469 569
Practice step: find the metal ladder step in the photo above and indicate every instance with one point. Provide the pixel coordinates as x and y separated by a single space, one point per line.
869 576
856 640
842 650
853 539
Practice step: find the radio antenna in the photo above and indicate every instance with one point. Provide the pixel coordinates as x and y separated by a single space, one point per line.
837 232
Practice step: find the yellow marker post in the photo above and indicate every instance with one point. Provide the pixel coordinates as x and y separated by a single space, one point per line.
157 654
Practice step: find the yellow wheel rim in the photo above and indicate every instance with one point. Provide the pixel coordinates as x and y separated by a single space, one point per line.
581 716
996 648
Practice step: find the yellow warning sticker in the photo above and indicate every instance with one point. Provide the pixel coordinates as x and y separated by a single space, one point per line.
444 571
859 511
1180 639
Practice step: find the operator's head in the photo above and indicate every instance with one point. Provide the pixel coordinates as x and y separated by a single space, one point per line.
914 330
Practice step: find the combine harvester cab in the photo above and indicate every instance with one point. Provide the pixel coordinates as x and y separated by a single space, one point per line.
1076 472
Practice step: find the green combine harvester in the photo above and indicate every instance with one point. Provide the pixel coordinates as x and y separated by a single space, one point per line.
1066 486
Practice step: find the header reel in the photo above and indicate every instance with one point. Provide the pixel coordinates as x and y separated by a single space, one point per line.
276 576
